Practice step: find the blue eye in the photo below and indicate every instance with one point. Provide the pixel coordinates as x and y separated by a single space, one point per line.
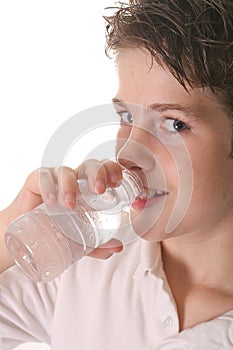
126 117
175 125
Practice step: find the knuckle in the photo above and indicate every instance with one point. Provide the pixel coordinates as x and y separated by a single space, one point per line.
65 172
61 169
44 172
83 167
38 174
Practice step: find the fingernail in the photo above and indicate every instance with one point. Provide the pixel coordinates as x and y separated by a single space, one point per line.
99 186
115 178
52 197
69 198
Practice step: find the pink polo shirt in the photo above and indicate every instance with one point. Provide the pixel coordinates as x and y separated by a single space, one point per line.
123 303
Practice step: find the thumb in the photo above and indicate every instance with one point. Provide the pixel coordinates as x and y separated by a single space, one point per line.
107 249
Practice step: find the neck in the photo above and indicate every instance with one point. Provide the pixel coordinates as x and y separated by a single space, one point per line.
199 272
200 261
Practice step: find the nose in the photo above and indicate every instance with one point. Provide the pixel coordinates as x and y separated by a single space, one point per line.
135 152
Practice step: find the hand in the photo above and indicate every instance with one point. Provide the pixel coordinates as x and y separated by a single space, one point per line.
52 185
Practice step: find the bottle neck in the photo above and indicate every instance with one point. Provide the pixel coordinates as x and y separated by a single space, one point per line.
132 185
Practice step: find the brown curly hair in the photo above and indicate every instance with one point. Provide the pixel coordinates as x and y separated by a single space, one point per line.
193 38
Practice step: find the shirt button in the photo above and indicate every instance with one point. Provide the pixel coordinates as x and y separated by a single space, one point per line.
168 322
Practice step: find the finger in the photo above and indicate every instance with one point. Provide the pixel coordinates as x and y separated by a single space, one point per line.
39 186
114 173
106 250
41 183
67 186
47 184
95 173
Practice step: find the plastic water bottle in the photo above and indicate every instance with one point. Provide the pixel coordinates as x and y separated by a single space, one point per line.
47 240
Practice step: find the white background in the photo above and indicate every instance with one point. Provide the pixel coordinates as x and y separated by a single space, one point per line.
52 66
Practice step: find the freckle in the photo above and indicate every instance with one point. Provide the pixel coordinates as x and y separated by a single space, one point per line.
132 73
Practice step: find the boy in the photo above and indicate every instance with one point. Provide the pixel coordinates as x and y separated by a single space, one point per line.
172 288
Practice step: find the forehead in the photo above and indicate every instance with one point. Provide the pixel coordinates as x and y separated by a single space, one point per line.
144 83
142 78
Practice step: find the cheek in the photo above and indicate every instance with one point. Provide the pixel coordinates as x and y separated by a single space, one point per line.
122 137
212 191
177 170
211 183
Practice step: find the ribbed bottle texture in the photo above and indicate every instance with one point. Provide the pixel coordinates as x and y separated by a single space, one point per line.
47 240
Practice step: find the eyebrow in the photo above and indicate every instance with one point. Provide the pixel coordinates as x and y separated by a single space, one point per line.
163 107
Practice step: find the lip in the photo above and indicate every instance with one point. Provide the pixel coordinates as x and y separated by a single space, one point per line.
141 203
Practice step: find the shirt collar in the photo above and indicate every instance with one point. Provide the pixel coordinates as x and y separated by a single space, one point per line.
150 260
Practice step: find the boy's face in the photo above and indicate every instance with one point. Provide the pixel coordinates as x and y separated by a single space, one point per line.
181 144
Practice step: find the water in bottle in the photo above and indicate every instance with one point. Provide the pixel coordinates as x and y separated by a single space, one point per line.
47 240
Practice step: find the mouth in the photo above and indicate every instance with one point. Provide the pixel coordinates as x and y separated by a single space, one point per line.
148 197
